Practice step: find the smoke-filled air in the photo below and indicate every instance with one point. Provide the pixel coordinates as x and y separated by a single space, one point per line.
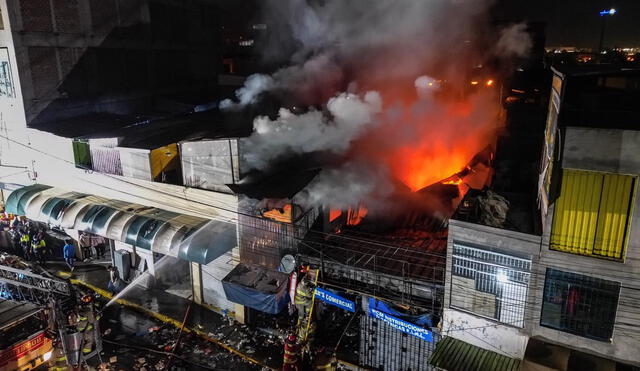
390 91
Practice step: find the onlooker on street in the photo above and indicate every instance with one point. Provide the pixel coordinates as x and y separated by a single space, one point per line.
85 245
116 284
15 222
69 252
99 243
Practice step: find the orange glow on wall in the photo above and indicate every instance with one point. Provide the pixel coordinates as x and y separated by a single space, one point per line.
334 214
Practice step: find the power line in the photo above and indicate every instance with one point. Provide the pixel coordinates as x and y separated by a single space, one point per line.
231 211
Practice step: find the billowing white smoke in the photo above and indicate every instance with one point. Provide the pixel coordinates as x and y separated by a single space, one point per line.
372 44
313 131
318 70
253 86
349 184
514 40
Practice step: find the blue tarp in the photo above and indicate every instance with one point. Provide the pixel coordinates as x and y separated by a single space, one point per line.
424 320
269 302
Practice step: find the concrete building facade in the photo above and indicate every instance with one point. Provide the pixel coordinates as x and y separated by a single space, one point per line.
577 284
83 66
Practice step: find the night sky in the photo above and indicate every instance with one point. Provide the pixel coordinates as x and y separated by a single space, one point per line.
569 22
576 22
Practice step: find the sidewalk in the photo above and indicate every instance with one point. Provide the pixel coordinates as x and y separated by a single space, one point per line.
252 345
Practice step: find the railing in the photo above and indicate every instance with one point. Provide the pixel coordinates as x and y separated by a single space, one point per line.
32 281
386 273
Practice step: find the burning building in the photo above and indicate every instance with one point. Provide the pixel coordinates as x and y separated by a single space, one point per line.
397 136
378 137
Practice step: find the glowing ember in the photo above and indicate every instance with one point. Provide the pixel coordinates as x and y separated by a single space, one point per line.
454 181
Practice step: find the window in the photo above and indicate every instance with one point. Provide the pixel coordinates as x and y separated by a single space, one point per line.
490 284
81 154
593 213
579 305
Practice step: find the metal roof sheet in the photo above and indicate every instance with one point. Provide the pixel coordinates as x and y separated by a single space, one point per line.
456 355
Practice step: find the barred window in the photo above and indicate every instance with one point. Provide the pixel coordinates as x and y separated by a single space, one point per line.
490 284
580 305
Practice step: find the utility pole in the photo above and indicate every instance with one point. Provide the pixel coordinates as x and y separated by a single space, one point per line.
603 23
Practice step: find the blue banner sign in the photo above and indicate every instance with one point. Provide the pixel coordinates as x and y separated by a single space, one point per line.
333 299
406 327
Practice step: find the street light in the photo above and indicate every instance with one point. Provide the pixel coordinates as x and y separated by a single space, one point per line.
611 11
603 15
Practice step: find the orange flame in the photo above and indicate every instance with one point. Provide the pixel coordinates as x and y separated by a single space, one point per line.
454 181
334 214
281 215
356 215
443 142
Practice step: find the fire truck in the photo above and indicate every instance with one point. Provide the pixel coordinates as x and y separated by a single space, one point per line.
42 316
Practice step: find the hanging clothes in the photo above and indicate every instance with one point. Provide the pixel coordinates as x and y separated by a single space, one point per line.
573 299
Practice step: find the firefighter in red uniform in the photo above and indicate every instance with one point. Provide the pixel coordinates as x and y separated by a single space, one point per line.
291 354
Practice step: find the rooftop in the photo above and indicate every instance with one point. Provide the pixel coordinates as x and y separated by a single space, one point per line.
150 133
600 96
505 210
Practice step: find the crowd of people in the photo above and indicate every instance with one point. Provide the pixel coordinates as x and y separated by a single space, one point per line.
27 239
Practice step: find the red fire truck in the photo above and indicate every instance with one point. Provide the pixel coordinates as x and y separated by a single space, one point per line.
23 341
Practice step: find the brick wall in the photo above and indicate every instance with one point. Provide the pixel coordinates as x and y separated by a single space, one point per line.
36 15
44 71
66 16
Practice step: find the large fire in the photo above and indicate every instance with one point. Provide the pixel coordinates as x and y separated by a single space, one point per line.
433 139
420 167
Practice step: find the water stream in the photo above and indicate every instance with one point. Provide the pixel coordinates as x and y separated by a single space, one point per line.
158 265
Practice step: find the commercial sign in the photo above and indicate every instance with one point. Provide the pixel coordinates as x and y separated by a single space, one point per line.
404 326
335 300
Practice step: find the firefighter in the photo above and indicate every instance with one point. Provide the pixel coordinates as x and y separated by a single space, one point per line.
39 248
291 354
25 244
304 294
86 324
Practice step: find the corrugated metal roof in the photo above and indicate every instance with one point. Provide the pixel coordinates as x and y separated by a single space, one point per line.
456 355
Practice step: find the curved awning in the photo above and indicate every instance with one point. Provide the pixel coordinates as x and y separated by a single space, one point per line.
207 242
17 200
190 238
